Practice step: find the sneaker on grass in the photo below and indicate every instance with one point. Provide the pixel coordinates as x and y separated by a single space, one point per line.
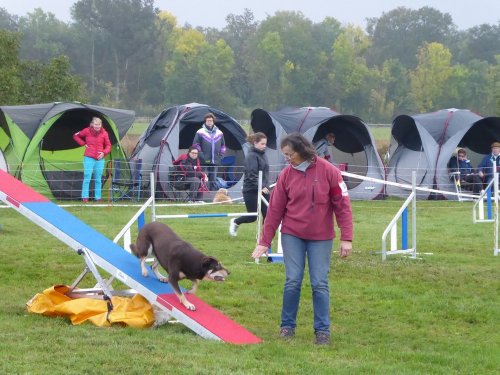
233 228
287 332
322 338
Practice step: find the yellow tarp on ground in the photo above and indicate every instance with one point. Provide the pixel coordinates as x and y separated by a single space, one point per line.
135 312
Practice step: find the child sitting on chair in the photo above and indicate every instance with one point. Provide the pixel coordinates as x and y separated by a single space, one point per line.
466 173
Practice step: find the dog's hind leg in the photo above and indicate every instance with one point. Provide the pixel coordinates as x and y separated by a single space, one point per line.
144 270
157 273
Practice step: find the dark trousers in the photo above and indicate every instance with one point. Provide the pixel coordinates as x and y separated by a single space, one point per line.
193 185
476 184
211 171
250 199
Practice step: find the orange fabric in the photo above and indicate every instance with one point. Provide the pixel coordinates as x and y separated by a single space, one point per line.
134 312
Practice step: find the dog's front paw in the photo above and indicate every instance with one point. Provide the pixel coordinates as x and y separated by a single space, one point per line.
163 279
145 273
190 306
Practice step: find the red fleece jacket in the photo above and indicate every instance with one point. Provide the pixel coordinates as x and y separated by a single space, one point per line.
305 202
96 141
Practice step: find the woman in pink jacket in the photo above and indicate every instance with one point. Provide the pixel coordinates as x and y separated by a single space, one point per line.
97 146
308 193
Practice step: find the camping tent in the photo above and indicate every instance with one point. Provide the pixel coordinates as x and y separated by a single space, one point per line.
425 143
171 133
354 145
3 162
37 141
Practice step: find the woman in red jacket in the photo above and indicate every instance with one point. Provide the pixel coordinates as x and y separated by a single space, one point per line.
309 192
97 146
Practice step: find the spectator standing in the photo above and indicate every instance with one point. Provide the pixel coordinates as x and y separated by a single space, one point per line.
209 140
97 146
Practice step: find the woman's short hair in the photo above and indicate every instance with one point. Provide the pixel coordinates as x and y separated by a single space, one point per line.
256 137
299 144
209 115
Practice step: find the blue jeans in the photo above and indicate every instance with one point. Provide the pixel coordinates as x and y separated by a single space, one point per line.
95 167
318 253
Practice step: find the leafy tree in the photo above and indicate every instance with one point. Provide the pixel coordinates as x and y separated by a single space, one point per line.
51 82
467 86
199 71
398 33
44 36
351 79
215 68
429 77
127 29
8 21
269 75
494 88
238 33
394 77
10 70
482 43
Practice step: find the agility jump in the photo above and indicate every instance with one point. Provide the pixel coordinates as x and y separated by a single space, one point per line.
100 251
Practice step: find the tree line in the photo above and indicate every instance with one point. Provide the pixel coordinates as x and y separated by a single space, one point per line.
129 54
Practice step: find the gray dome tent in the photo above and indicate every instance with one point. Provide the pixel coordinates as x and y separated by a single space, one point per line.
37 142
354 144
172 132
426 142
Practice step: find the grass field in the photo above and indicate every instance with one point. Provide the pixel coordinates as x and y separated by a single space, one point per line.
436 315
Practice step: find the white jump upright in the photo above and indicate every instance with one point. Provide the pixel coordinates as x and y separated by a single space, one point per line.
491 208
392 228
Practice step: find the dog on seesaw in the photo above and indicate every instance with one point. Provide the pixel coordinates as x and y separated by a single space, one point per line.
178 257
222 196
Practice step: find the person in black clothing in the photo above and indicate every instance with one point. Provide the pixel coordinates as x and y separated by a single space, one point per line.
467 175
255 161
189 165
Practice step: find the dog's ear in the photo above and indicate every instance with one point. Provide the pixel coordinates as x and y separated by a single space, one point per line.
209 262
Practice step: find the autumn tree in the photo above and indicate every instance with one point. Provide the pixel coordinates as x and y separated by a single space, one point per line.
429 77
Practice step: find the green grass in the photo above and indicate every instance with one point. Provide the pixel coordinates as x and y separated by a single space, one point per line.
436 315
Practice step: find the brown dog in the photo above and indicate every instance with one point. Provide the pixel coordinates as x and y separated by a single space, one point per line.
178 257
222 196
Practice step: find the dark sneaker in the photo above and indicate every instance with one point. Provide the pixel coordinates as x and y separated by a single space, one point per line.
322 338
287 332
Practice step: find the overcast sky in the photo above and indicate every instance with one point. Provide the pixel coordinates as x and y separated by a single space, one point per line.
465 13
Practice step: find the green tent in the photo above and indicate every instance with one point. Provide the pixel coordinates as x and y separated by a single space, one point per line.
38 146
3 162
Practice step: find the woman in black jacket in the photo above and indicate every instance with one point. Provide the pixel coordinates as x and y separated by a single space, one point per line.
255 161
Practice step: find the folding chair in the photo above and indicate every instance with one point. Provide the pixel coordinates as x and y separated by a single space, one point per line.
126 179
177 184
455 177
